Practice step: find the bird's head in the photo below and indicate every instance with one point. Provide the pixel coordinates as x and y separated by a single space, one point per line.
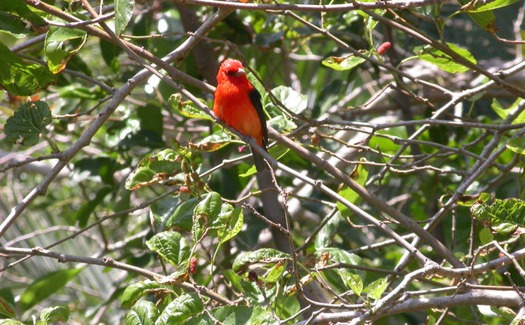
231 70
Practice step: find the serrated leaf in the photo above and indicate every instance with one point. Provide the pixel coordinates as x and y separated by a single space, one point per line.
172 246
142 313
45 286
123 14
229 222
205 214
260 256
61 44
137 290
154 169
376 289
343 63
503 215
180 309
55 314
485 236
20 78
443 60
28 122
291 99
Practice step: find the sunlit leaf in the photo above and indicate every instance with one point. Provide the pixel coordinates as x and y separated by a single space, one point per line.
61 44
291 99
443 60
360 175
187 108
503 215
481 6
343 63
123 14
376 289
20 78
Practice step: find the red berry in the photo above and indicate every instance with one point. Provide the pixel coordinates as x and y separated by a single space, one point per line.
383 48
193 265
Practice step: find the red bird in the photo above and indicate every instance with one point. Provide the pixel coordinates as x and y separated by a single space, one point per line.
238 104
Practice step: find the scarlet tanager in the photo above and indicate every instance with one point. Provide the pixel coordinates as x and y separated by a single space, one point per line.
238 104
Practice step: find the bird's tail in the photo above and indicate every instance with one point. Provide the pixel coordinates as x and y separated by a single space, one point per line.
259 161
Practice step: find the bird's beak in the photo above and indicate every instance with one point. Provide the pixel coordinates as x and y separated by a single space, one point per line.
240 72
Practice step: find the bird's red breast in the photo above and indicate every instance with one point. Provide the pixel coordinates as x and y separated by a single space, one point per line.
238 103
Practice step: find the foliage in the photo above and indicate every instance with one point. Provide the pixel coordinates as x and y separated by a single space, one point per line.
397 159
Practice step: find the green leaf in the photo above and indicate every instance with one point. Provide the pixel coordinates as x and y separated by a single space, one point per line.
503 215
142 313
123 14
275 273
172 246
45 286
28 122
82 215
443 60
137 290
10 322
485 236
180 309
260 256
20 78
20 8
291 99
187 109
376 289
7 308
360 175
345 63
235 315
481 6
325 235
13 25
205 214
182 217
55 314
503 113
229 222
61 44
517 145
282 123
353 281
213 142
154 169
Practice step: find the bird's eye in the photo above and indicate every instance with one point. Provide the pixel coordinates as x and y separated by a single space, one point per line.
231 72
